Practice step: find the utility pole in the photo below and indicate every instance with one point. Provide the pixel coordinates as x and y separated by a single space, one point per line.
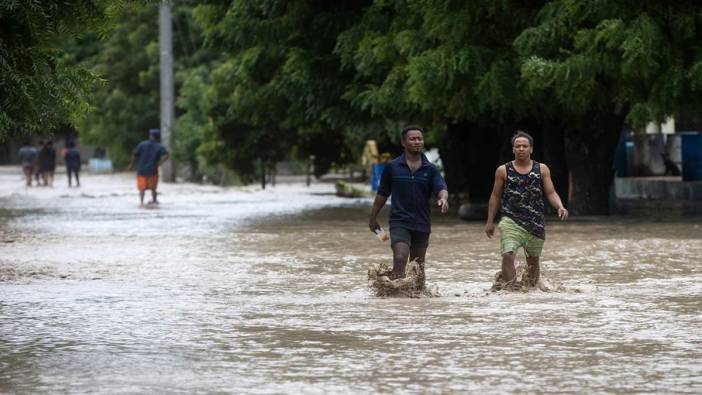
165 40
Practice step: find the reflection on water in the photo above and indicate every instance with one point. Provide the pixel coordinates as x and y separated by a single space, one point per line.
265 292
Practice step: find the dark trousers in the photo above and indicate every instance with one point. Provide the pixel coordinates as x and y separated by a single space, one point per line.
73 171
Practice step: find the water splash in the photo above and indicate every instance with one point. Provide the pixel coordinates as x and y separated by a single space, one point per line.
412 285
522 282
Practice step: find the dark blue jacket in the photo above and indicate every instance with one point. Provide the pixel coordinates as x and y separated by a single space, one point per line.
410 192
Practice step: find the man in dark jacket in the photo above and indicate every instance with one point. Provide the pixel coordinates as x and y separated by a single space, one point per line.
411 180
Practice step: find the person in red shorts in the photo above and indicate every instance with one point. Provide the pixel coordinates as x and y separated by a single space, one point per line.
148 156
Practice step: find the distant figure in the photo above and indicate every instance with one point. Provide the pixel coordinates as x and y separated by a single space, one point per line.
519 191
47 163
28 157
99 153
671 168
71 156
149 155
37 172
411 180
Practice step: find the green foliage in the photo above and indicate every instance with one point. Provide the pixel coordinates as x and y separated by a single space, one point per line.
39 90
190 128
276 84
259 80
637 58
128 104
431 60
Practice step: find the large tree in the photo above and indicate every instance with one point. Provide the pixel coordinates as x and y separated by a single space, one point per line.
127 58
448 65
39 90
277 82
604 63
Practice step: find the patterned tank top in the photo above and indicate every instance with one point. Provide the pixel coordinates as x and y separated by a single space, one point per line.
523 199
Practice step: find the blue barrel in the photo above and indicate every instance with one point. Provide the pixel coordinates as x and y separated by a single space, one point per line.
375 177
692 157
620 156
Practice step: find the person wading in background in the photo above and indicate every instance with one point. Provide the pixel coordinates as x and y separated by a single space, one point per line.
28 157
47 163
148 155
71 157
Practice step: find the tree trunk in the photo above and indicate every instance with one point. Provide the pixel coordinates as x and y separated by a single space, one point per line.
555 158
310 161
590 155
452 147
482 160
470 155
263 175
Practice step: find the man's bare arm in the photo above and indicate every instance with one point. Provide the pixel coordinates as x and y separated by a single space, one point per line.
495 199
551 194
163 159
442 201
131 162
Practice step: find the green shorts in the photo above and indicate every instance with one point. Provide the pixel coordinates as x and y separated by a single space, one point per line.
513 236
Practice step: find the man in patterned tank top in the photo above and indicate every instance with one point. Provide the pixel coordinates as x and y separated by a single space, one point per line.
519 191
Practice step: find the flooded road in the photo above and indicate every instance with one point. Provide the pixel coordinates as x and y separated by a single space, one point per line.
239 290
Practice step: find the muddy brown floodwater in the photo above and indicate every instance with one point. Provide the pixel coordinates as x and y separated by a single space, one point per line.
247 291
